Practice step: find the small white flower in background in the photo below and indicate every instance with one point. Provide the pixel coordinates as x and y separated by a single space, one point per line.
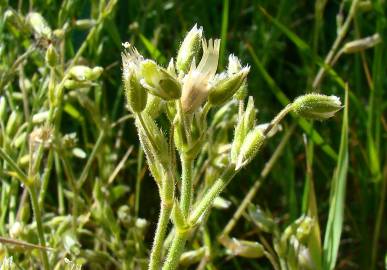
7 264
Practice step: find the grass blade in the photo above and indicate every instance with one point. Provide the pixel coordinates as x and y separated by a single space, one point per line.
337 199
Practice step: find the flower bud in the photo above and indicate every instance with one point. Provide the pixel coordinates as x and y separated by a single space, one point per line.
13 123
189 49
227 87
316 106
84 24
73 84
191 257
51 56
261 219
243 127
19 140
158 81
362 44
39 25
243 248
221 203
250 147
16 230
83 73
40 117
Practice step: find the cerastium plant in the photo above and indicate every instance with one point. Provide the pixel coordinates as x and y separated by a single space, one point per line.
198 106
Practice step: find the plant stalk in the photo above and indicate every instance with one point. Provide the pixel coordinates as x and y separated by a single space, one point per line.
186 187
162 225
39 226
175 251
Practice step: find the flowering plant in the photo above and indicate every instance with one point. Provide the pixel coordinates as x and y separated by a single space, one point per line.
201 107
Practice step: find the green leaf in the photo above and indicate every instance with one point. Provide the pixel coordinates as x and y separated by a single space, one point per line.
337 198
153 51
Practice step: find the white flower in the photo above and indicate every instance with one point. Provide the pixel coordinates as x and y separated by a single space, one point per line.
197 83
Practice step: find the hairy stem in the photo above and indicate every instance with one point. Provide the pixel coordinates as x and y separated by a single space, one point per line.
186 184
211 194
175 251
162 224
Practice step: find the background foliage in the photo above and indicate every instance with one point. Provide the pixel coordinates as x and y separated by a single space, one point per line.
285 43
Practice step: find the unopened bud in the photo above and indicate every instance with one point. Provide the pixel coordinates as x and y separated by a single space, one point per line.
189 49
221 203
84 24
51 56
13 123
316 106
243 248
250 147
227 87
362 44
159 82
58 34
82 73
74 84
16 230
19 140
243 127
263 220
191 257
40 117
39 25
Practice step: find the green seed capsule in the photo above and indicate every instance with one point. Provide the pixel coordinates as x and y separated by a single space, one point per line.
316 106
51 56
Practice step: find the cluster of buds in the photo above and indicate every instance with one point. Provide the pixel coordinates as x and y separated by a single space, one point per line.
182 79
